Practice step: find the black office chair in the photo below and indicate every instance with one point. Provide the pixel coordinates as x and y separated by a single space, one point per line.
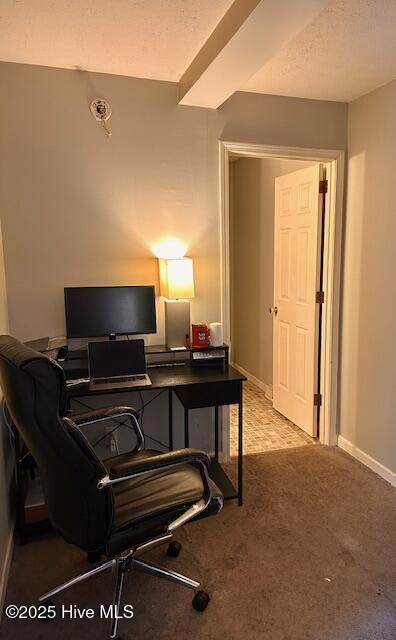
120 507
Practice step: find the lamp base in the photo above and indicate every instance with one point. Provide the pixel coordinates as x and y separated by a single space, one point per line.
177 323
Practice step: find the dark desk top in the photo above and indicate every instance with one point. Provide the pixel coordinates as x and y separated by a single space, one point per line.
170 377
44 344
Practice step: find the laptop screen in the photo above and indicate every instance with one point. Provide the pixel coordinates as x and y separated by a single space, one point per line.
116 358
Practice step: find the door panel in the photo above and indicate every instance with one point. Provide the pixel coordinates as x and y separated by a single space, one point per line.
301 363
296 276
284 358
302 267
285 264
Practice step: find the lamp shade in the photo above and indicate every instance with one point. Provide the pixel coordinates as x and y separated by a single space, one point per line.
177 278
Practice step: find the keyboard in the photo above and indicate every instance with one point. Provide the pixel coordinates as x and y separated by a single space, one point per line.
119 379
166 364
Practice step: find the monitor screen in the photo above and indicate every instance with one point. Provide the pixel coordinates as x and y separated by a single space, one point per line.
101 311
116 358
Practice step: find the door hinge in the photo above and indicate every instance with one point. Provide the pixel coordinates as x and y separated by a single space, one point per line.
317 400
323 186
319 297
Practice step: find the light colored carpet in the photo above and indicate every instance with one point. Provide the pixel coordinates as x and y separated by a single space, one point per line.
310 556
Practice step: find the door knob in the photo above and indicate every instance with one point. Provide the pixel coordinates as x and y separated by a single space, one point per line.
273 311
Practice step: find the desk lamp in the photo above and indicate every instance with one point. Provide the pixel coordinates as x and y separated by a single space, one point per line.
177 285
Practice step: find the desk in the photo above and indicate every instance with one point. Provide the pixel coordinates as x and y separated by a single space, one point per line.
196 388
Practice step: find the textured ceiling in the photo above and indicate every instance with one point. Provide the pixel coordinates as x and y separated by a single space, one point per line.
142 38
347 51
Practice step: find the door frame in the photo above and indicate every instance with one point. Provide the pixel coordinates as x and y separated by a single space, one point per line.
334 160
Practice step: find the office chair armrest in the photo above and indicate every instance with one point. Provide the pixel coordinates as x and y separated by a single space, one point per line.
111 413
133 468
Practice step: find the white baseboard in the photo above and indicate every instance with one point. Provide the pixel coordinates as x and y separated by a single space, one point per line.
267 388
6 569
367 460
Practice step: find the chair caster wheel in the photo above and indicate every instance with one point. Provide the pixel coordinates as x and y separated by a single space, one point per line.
200 601
174 549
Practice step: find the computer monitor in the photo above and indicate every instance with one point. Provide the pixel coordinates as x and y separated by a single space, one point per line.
108 311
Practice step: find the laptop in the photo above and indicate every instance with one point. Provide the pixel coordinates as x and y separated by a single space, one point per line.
117 364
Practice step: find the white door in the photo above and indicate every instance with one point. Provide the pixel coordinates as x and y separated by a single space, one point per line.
296 277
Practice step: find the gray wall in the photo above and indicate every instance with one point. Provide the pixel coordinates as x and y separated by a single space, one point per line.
368 330
79 208
252 187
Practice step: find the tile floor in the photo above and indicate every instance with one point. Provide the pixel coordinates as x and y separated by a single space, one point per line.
264 428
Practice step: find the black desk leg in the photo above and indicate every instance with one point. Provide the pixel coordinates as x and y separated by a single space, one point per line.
240 447
186 433
170 418
216 433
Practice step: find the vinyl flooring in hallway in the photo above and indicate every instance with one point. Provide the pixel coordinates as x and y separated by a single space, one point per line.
264 428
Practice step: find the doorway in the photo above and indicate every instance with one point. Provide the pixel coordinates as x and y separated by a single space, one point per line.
263 192
256 274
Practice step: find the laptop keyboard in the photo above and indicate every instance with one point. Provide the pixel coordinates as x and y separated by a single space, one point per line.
119 379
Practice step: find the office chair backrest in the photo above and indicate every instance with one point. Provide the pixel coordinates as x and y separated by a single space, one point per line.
34 389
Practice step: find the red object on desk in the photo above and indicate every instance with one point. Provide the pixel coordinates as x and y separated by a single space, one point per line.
200 335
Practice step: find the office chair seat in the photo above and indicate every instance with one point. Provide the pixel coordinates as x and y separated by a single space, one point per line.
149 502
154 492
